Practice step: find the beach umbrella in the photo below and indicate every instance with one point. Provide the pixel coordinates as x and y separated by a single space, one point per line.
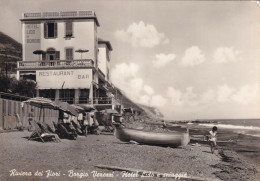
39 52
78 108
81 51
87 107
66 107
109 111
41 102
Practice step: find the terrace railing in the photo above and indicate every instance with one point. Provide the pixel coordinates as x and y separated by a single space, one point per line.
86 100
55 64
59 14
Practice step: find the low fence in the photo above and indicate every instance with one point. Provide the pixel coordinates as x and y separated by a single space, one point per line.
12 112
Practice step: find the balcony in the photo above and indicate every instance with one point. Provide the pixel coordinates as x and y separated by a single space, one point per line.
54 64
86 100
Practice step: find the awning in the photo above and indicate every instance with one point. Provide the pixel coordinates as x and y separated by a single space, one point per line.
27 73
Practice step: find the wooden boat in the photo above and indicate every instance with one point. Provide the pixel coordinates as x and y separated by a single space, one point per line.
174 139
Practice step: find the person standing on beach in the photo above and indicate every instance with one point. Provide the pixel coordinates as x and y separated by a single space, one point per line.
30 118
212 137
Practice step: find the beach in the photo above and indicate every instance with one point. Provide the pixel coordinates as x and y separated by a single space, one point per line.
77 159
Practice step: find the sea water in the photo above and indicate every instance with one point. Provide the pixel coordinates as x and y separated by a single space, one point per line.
250 127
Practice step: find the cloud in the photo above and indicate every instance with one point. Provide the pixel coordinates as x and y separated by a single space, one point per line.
175 96
158 101
193 56
162 60
247 94
224 93
125 70
149 90
125 77
225 54
208 96
141 35
179 98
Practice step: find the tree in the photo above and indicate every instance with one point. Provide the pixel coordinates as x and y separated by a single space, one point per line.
5 83
21 87
24 88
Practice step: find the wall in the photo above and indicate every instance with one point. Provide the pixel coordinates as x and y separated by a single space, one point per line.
84 33
10 109
102 58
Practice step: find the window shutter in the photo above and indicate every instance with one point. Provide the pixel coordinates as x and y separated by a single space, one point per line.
68 29
67 54
71 54
55 30
57 55
44 56
45 30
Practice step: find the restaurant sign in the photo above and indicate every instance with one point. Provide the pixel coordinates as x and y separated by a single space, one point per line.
64 79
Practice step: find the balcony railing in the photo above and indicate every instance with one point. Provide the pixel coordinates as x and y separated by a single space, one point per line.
55 64
86 100
59 14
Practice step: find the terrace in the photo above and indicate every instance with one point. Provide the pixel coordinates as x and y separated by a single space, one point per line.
86 100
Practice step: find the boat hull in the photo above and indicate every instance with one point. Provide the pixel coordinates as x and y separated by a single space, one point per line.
152 138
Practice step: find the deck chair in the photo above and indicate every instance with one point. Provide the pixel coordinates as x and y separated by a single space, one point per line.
63 132
77 127
48 130
41 133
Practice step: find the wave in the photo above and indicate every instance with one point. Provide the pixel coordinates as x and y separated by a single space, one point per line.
230 126
255 135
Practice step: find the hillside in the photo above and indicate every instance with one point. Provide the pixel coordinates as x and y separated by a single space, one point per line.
10 52
148 111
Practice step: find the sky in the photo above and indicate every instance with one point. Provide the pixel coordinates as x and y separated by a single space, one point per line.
190 59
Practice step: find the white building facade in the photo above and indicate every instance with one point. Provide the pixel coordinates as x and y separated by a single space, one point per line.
63 54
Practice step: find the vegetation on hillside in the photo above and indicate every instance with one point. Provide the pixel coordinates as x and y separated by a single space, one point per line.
10 53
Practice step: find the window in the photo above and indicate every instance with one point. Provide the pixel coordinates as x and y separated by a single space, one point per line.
68 30
51 54
69 53
47 93
50 30
67 95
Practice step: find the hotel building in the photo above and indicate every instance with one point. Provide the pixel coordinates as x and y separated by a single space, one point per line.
64 55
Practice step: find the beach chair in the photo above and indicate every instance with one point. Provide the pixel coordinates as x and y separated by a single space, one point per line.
62 131
40 132
77 127
46 129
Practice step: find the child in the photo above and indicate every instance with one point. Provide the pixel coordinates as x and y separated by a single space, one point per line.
212 137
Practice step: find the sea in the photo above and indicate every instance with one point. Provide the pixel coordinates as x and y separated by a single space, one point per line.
242 135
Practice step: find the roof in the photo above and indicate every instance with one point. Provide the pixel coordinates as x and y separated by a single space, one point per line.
60 16
101 41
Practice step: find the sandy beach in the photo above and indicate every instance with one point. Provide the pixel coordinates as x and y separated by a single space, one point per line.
76 159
